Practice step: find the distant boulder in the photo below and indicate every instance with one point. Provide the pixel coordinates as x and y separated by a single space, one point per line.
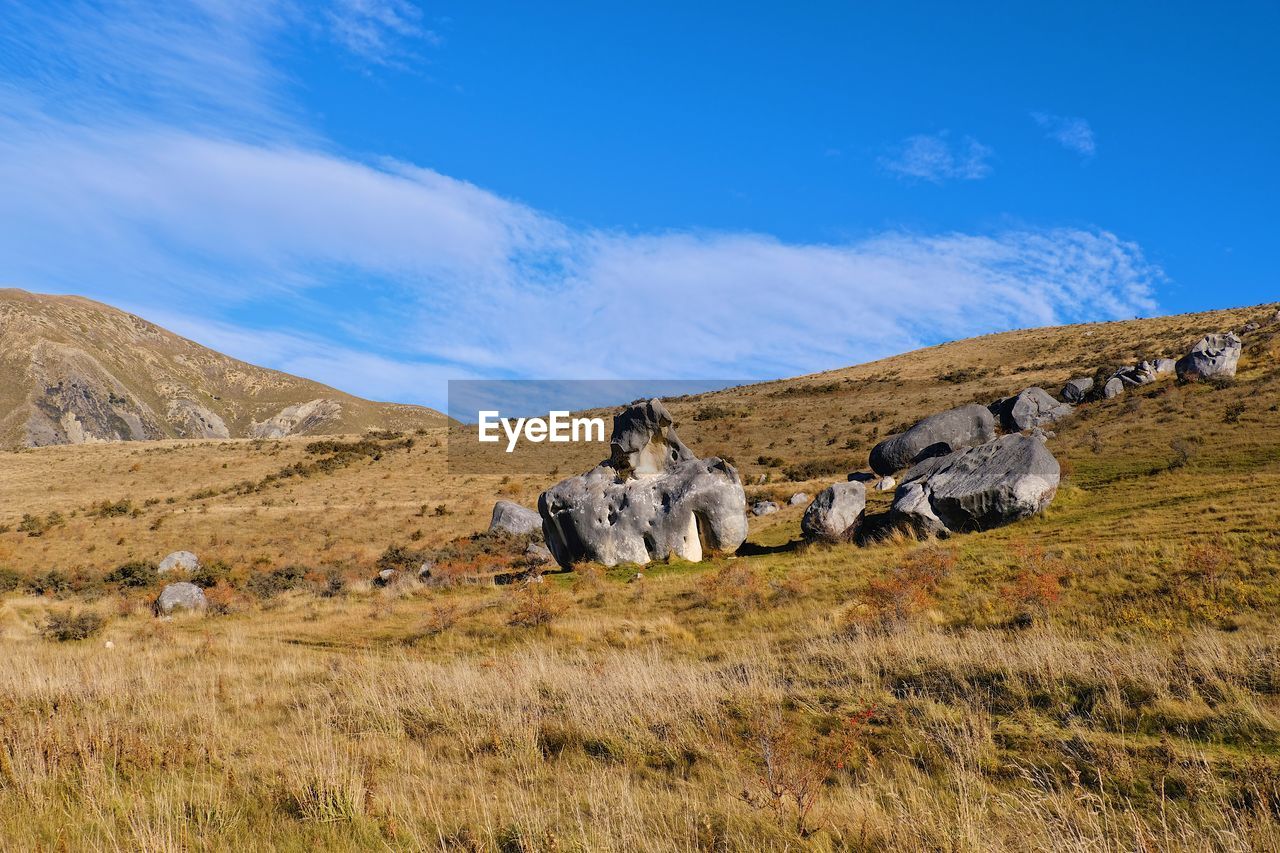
1077 390
537 554
1114 388
978 488
1030 408
884 484
964 426
180 596
386 577
764 508
1165 366
1137 376
510 517
797 499
652 499
1212 356
836 513
183 561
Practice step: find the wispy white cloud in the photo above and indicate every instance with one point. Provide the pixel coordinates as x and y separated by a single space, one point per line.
1070 132
380 31
385 278
938 158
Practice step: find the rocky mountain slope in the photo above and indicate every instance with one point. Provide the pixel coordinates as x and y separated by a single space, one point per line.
75 371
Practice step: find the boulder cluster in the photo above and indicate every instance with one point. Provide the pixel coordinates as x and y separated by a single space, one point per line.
970 468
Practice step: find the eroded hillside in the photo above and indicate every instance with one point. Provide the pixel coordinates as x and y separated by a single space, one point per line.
74 371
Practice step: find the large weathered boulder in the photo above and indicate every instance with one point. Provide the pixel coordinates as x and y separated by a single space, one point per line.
964 426
1213 355
836 513
510 517
978 488
1077 390
1030 408
180 596
183 561
652 499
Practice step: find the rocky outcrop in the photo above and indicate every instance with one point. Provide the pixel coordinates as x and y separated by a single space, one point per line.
182 561
180 596
965 426
192 420
652 499
1031 408
836 513
296 420
510 517
978 488
1213 356
1077 390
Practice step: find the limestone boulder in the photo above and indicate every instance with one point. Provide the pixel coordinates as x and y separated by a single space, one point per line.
1032 407
978 488
1212 356
181 561
764 508
510 517
936 435
652 499
1077 390
180 596
836 513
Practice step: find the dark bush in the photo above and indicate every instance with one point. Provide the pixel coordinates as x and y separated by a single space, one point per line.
52 582
134 575
69 626
816 469
401 559
280 579
9 580
335 584
208 575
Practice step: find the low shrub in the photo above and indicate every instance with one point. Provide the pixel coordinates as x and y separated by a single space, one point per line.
535 605
265 585
70 626
133 575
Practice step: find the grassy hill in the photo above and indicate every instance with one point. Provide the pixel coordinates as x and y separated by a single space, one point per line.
1105 676
74 371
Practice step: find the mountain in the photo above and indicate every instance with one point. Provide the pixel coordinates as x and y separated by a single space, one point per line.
75 371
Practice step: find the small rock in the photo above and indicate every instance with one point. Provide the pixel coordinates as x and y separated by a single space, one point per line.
181 560
1164 366
1029 408
180 596
1077 390
764 508
1113 388
885 484
510 517
797 499
424 570
108 645
836 513
386 577
537 554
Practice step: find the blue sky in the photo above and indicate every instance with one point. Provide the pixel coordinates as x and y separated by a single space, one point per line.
385 195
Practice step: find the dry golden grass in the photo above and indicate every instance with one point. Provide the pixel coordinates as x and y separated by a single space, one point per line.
1104 677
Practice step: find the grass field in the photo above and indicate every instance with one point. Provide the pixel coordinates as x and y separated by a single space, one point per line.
1104 677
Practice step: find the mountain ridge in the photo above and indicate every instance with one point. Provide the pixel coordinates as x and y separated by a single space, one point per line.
77 371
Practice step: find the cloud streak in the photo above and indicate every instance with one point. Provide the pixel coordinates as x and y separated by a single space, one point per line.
1072 133
386 278
937 158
